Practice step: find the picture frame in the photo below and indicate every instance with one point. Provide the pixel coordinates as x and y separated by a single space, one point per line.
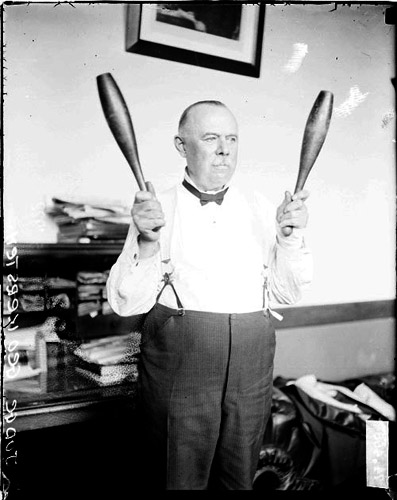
224 37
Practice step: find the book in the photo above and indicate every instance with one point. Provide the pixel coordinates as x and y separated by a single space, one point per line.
121 346
92 229
115 370
121 373
108 360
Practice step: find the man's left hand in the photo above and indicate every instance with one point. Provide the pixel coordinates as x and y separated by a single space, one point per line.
293 212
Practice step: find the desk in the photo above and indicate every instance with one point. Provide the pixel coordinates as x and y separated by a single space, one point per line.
62 396
70 431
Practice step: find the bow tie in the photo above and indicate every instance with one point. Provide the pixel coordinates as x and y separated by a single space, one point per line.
205 197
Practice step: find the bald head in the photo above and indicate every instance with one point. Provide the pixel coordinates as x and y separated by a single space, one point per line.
184 119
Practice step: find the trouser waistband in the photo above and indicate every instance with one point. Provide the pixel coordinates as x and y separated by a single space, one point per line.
177 312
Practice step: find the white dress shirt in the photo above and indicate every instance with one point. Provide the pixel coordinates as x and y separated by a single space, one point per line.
219 256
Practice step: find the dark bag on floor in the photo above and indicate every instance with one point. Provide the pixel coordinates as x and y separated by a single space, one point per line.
338 434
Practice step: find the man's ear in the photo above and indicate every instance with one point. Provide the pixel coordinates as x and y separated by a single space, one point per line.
180 146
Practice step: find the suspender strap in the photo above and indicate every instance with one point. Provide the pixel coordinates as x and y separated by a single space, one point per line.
169 205
168 281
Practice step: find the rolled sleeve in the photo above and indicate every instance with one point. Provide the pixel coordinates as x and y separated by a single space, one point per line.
288 261
291 268
133 282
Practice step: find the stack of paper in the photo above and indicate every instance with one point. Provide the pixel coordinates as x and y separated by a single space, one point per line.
85 222
91 292
109 360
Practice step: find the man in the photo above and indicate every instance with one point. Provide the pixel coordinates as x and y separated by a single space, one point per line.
206 270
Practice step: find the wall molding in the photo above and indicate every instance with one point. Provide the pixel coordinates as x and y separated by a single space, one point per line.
335 313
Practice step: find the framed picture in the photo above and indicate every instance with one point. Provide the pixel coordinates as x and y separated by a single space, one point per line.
225 37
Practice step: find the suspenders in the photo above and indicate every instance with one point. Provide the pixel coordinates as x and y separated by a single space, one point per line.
165 244
167 278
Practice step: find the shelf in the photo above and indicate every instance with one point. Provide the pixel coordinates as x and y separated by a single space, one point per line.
53 259
65 250
64 260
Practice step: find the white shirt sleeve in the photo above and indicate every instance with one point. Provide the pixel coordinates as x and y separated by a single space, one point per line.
289 261
133 283
290 267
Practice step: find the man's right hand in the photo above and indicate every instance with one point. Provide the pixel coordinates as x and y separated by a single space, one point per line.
148 217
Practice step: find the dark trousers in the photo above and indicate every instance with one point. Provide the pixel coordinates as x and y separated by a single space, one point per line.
205 395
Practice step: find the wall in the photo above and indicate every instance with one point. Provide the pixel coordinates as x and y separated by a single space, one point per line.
338 351
57 141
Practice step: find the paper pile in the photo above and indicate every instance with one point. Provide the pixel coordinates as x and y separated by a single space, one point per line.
87 223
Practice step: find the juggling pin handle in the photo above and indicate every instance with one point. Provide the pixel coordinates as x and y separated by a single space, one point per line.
314 135
119 121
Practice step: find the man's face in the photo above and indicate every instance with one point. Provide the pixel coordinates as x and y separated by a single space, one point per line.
209 142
